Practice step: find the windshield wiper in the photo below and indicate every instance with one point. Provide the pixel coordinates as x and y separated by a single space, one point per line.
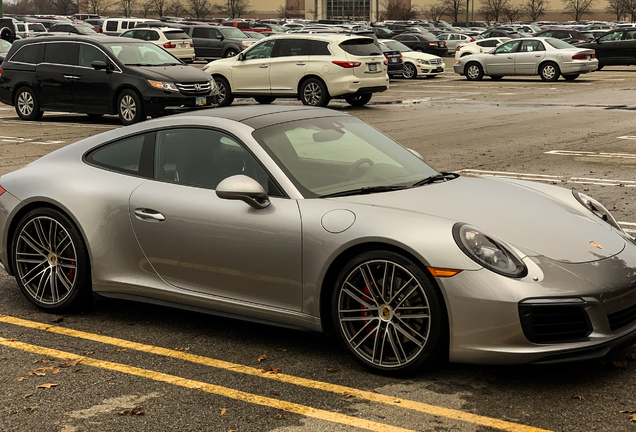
441 177
365 190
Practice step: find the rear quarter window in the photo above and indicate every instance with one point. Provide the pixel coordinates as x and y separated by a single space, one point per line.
361 47
31 54
125 156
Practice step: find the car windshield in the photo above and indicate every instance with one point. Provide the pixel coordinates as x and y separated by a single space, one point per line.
396 46
558 43
232 32
141 54
336 155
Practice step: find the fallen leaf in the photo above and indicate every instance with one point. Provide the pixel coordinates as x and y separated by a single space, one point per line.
48 385
68 363
182 349
58 320
30 409
620 364
21 379
223 411
137 411
279 416
121 349
13 340
87 353
272 370
262 358
43 361
332 370
28 395
632 417
282 349
273 393
397 401
348 395
577 397
123 412
628 412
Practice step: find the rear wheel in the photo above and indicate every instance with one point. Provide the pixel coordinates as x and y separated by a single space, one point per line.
549 72
130 107
571 77
51 261
474 71
225 94
409 71
358 100
27 105
264 99
314 92
388 314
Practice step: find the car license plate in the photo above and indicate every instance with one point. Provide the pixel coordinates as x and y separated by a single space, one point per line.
438 70
394 60
182 45
373 67
200 101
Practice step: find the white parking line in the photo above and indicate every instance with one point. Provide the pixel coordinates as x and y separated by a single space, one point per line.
18 140
592 154
49 124
629 137
551 178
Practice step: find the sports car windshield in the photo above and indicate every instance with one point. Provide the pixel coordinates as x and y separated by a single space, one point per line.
141 54
340 156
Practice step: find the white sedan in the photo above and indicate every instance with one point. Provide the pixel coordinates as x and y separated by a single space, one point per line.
416 63
547 57
453 40
479 46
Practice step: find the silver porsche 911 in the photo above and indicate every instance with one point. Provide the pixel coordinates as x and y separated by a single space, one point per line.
310 218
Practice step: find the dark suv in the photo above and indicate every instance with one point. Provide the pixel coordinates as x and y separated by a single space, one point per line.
99 75
8 29
213 42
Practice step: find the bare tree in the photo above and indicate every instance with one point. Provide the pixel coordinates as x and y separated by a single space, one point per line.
146 7
397 10
65 7
513 13
454 9
536 8
577 8
630 9
232 8
290 11
127 6
434 12
493 10
98 7
160 6
617 8
198 8
176 9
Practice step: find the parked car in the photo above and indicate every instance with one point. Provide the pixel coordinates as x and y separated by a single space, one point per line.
311 67
494 32
116 26
479 46
568 35
422 42
29 29
213 42
253 34
8 29
321 222
99 75
80 29
173 40
547 57
416 63
616 47
395 63
453 40
5 46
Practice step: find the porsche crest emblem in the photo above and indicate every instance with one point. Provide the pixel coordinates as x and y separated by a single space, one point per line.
596 245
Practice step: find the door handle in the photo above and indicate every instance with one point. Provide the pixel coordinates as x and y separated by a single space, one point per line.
263 66
149 215
71 77
301 63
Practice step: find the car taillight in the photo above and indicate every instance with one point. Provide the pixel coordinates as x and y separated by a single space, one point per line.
401 55
386 62
348 64
583 56
1 69
386 56
472 40
191 44
2 190
169 45
432 43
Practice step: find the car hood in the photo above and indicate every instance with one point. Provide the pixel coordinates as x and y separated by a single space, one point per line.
178 73
532 221
414 55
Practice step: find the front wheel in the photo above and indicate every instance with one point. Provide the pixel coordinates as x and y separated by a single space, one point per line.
225 94
571 77
230 53
388 314
130 107
474 72
51 261
314 92
549 72
358 100
27 105
409 72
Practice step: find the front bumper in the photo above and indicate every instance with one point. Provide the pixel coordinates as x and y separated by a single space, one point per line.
427 70
155 100
499 320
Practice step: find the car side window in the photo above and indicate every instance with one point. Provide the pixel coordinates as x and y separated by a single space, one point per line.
31 54
531 46
130 155
318 48
629 35
111 26
127 34
260 51
152 35
200 33
613 36
508 47
61 53
204 158
214 34
292 47
88 54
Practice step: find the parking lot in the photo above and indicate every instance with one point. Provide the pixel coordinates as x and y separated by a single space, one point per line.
124 366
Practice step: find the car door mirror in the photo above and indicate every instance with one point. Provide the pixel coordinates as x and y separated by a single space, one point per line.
219 37
241 56
244 188
99 65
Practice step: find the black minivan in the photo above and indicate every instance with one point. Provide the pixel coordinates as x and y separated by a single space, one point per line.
99 75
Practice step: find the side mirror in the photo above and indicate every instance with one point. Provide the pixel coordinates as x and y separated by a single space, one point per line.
219 37
244 188
241 56
100 65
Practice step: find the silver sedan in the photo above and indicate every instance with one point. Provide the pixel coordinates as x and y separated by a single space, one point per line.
547 57
310 218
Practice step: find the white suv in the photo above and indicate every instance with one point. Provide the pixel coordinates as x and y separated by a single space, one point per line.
313 68
173 40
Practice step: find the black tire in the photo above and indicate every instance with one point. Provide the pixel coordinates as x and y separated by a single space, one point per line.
225 94
362 284
570 77
27 105
496 77
314 92
474 71
359 99
51 261
410 71
130 107
6 34
230 53
264 99
549 72
600 66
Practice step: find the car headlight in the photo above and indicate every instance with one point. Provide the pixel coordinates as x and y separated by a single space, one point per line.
246 43
164 85
422 61
212 85
597 209
487 251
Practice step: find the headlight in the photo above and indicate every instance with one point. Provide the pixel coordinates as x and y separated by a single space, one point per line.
246 43
597 209
164 85
422 61
487 251
212 85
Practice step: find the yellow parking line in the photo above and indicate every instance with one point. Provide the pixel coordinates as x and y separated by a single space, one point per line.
209 388
248 370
